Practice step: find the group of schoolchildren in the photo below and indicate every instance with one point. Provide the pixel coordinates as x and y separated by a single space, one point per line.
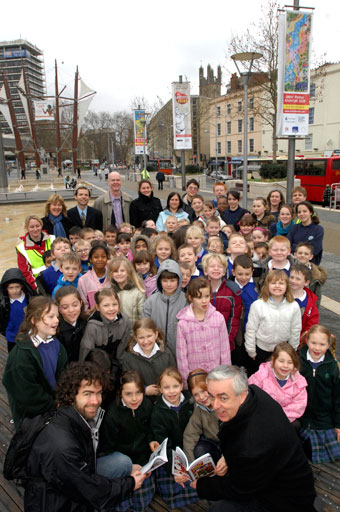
158 311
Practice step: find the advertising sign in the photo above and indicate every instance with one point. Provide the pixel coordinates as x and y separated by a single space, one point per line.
140 132
181 115
15 54
44 110
294 57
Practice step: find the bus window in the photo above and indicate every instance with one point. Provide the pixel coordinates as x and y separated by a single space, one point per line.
310 167
336 165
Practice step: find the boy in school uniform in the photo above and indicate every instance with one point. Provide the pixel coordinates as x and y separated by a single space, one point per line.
299 280
279 257
236 247
186 253
70 265
213 228
59 247
82 248
304 252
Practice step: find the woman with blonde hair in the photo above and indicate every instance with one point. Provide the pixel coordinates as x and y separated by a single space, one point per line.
56 221
31 249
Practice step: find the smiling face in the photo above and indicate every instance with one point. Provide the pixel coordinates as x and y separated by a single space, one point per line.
174 203
187 255
145 189
303 254
201 396
279 252
82 197
224 400
163 250
285 216
99 260
34 229
143 267
169 285
192 190
277 289
318 344
88 399
115 183
70 308
283 365
222 204
146 339
132 395
195 241
56 208
232 202
120 276
304 214
258 236
171 389
70 271
213 228
237 246
297 281
197 206
208 212
108 307
297 197
219 190
48 323
141 245
215 271
171 224
275 199
242 275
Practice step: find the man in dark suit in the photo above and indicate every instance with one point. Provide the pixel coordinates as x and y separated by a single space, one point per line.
83 215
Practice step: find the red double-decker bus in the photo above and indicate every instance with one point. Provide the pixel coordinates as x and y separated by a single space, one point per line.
317 172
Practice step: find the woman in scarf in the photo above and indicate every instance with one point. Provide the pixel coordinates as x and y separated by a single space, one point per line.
285 221
55 221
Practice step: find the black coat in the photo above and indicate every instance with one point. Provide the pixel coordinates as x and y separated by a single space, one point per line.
63 455
94 218
48 225
144 208
265 459
12 275
70 336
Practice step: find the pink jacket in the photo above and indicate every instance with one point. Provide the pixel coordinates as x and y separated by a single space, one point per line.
150 285
201 344
88 285
292 396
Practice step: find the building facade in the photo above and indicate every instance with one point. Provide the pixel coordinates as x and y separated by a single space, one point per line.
15 56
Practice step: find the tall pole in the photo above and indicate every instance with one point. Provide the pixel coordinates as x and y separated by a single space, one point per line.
216 169
3 173
246 78
57 117
144 137
75 124
31 120
291 151
182 154
17 135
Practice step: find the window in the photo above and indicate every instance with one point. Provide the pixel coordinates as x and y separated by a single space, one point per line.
218 111
239 146
239 125
228 127
218 128
228 108
239 106
251 124
312 91
310 167
311 115
251 102
309 141
219 148
228 146
251 146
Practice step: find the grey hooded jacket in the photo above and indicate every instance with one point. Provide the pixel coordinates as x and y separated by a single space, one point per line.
163 308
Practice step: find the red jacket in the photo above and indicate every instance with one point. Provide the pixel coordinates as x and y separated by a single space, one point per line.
24 264
311 314
227 300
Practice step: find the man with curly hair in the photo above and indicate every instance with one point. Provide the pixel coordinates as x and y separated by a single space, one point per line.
62 462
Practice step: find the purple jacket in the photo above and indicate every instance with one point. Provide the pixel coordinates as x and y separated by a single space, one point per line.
292 396
201 344
150 285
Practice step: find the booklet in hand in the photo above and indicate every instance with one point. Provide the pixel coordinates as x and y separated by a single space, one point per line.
203 466
157 458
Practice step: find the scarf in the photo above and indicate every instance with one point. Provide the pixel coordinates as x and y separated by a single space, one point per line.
281 230
58 228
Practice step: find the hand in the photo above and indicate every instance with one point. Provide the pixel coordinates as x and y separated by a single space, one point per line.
153 389
337 431
139 479
153 445
180 479
193 484
221 467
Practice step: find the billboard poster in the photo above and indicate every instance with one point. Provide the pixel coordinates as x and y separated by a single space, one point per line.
43 110
294 57
181 115
140 130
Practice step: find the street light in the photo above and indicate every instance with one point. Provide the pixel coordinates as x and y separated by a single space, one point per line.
245 57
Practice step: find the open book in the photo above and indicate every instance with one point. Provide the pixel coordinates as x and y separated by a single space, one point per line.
203 466
157 458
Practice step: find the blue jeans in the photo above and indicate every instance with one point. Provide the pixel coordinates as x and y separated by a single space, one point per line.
114 465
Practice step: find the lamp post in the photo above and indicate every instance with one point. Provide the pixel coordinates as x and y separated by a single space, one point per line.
245 57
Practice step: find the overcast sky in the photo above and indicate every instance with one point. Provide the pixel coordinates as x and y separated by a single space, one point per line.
128 49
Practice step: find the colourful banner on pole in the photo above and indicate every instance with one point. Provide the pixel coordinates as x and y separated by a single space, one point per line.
294 57
181 115
140 132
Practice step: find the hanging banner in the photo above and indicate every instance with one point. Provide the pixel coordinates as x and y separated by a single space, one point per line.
43 110
140 132
294 58
181 115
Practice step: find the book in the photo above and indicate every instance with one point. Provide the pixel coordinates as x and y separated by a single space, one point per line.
203 466
157 458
